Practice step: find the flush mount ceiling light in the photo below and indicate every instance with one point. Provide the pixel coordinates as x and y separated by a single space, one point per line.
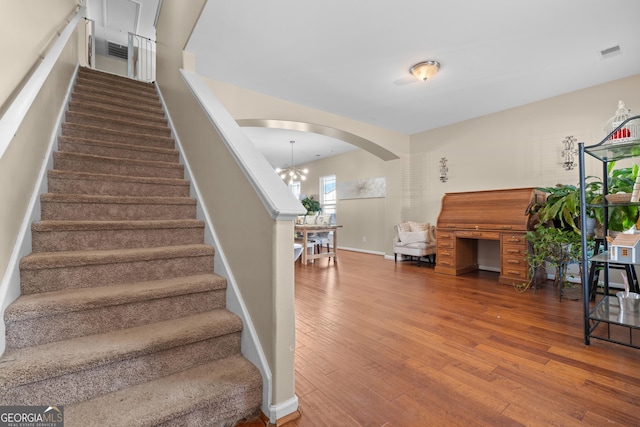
292 173
425 70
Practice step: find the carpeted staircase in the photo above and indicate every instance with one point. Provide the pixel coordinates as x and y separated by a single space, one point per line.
121 318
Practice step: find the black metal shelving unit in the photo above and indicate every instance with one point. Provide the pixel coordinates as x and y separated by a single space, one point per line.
603 319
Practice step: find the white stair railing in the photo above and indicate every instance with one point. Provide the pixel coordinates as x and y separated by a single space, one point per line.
141 58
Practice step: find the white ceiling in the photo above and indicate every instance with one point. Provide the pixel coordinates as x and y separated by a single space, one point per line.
352 57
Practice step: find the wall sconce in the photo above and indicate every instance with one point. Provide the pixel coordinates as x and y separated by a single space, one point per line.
443 169
568 152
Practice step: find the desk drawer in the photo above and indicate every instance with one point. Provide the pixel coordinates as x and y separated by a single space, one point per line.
446 244
514 273
470 234
446 257
444 235
513 239
514 263
514 250
445 240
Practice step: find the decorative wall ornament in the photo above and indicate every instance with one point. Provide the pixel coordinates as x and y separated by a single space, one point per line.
568 152
443 169
366 188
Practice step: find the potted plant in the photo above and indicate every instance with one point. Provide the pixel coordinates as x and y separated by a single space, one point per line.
621 216
312 206
561 207
555 239
554 247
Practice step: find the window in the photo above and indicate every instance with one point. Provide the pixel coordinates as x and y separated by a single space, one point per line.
294 186
328 195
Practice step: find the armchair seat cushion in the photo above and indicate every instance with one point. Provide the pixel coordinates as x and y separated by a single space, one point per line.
407 237
414 245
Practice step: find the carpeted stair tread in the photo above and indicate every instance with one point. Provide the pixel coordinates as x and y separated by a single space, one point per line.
124 200
112 135
118 225
102 177
116 103
88 75
126 85
51 303
116 165
87 207
71 182
114 149
133 97
107 110
31 364
121 81
55 316
119 124
105 75
53 236
215 394
47 260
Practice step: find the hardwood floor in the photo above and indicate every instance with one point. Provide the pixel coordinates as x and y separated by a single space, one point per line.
384 344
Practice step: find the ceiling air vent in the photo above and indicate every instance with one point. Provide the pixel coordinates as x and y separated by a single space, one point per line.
116 50
609 52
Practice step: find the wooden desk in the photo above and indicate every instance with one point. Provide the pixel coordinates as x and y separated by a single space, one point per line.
498 215
311 228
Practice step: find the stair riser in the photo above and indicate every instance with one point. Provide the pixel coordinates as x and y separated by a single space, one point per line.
55 241
132 98
221 413
71 211
113 78
119 125
89 132
116 103
103 379
124 152
123 85
87 276
57 184
113 167
117 113
104 319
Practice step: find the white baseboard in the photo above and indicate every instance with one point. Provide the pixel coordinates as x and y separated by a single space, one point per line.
283 409
364 251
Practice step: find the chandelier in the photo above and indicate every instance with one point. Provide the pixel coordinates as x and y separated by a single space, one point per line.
293 173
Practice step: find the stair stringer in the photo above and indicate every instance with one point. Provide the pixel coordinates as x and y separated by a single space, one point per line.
250 344
10 285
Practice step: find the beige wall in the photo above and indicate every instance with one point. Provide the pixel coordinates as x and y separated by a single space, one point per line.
252 241
27 28
362 219
380 215
519 147
21 163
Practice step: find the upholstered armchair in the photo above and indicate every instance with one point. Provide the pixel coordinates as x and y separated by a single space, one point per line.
415 240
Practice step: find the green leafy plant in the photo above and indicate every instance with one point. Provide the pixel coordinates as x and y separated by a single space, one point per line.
621 216
561 208
311 205
555 247
555 240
